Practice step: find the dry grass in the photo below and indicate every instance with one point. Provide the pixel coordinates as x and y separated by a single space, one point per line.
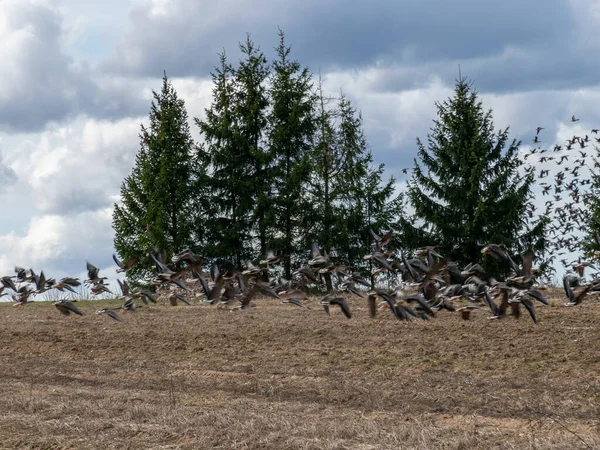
284 378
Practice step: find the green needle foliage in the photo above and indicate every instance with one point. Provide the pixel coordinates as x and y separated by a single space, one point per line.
157 199
469 187
251 103
291 129
228 147
347 192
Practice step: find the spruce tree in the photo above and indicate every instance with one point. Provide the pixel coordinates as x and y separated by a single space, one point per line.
251 103
319 222
156 209
348 190
230 218
469 187
372 204
291 128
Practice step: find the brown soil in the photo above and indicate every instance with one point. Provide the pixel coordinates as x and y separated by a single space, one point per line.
281 377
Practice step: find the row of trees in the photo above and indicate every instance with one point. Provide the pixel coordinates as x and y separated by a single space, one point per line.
279 164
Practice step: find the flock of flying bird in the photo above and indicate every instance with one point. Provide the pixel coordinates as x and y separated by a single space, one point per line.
427 284
565 192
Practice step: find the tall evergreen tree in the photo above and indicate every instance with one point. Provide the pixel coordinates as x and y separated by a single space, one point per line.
291 128
348 191
372 204
232 201
469 187
156 199
325 159
251 103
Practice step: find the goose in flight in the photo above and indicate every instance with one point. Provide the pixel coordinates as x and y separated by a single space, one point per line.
67 307
330 299
124 266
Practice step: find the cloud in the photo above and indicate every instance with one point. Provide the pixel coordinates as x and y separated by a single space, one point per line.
41 83
58 244
59 208
44 84
77 167
506 46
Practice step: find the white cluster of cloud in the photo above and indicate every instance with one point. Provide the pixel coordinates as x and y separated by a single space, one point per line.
80 74
59 243
68 179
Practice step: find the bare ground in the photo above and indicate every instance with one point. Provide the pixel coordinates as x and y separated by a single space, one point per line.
286 378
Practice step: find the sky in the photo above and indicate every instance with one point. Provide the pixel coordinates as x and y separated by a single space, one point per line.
78 75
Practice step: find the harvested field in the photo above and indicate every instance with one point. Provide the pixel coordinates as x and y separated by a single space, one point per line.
282 377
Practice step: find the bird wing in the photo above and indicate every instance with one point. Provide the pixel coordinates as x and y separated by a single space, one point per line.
357 277
410 269
214 293
295 301
41 281
183 298
375 236
149 295
92 270
215 273
341 302
124 287
488 300
400 312
537 295
418 298
160 267
69 288
529 305
352 288
71 307
7 281
309 273
383 262
180 284
267 290
241 283
112 314
568 290
203 282
116 260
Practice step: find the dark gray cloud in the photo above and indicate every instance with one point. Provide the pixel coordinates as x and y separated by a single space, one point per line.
42 83
424 38
69 199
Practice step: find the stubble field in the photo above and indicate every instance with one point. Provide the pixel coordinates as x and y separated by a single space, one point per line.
282 377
